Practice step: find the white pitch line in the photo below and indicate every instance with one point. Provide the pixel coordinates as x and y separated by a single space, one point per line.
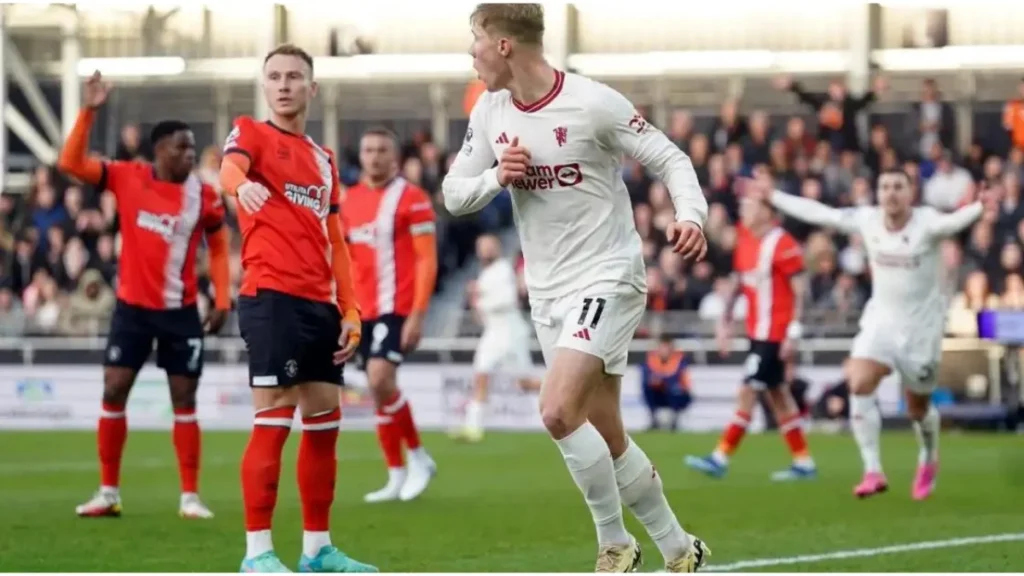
866 552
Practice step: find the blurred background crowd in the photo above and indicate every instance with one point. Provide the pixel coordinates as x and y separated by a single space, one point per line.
935 93
59 242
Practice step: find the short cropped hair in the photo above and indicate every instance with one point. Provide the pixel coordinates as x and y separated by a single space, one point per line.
897 172
290 50
524 22
166 128
383 131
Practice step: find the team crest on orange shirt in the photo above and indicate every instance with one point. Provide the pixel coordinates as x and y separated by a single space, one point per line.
312 197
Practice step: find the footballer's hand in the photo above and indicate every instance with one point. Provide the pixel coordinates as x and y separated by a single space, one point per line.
513 163
412 332
215 320
96 90
252 196
687 239
351 334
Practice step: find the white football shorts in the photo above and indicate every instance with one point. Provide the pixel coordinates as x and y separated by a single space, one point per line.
600 322
913 354
504 349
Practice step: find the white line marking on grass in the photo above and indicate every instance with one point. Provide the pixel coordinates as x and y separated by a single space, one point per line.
866 552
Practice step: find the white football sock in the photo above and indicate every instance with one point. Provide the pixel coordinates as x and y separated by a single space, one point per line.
927 430
312 542
642 492
866 423
474 415
590 462
257 543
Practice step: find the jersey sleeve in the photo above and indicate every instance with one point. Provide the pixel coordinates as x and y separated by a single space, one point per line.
472 180
416 212
620 127
113 176
334 206
244 139
788 259
940 225
213 209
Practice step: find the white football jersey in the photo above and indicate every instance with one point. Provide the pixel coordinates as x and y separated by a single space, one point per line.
572 209
906 272
497 298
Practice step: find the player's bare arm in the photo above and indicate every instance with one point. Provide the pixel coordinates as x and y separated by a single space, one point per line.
795 330
723 331
74 158
624 129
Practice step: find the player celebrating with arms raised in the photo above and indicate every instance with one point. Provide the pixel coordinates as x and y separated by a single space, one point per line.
390 227
297 313
902 325
164 210
559 139
768 265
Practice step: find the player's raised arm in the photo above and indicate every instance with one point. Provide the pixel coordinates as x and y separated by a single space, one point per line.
814 212
944 225
622 128
74 158
472 180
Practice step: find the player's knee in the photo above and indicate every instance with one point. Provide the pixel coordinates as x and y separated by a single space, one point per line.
560 418
117 385
917 406
381 377
183 392
747 398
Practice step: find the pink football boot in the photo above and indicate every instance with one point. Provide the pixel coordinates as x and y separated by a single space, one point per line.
924 480
873 483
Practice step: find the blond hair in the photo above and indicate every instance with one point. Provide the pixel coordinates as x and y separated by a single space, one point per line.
290 50
524 22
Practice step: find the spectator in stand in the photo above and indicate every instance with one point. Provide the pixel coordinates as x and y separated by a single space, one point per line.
12 317
878 145
1013 118
933 120
757 143
130 147
950 186
680 129
837 111
90 306
963 310
1012 297
729 128
799 144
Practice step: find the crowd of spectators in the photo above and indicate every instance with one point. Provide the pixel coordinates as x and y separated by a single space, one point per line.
59 242
820 156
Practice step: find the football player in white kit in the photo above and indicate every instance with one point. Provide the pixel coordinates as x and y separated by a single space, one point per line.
505 343
902 325
559 139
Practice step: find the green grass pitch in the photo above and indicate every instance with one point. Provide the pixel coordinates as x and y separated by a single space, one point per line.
508 504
